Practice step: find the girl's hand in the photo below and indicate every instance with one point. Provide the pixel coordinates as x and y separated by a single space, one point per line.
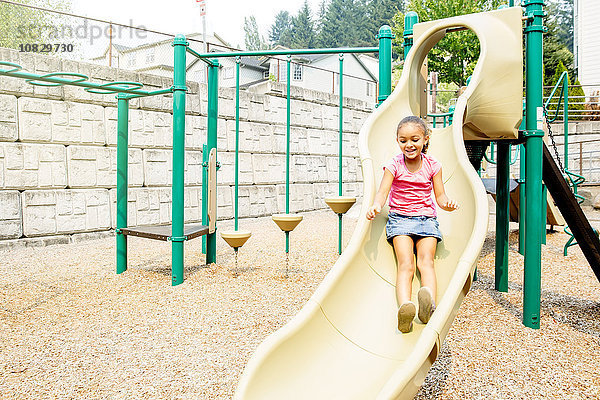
373 211
450 205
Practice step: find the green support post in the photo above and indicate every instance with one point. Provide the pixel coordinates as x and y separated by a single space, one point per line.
385 37
205 155
544 213
287 152
410 19
211 143
179 90
341 88
534 30
122 185
502 215
237 135
522 209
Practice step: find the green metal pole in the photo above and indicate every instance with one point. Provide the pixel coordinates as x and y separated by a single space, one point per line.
122 185
211 143
522 208
340 147
534 30
544 213
237 135
502 215
410 19
566 118
179 90
385 37
287 152
204 193
341 123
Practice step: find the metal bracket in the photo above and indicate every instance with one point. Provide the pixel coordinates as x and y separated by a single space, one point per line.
179 87
119 231
177 238
533 133
205 165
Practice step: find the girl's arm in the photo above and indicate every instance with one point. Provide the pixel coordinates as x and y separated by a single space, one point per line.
382 194
440 194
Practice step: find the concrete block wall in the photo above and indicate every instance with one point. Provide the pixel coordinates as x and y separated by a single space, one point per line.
58 152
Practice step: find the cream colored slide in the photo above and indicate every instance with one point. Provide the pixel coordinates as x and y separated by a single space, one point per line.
344 343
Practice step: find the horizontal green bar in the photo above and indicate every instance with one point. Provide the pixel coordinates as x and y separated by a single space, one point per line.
198 55
153 93
286 52
77 82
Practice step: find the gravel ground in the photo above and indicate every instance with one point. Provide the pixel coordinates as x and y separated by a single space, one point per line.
71 328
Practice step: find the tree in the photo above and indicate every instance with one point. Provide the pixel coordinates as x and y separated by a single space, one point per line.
381 12
560 21
280 29
342 24
252 38
319 22
455 56
21 25
303 29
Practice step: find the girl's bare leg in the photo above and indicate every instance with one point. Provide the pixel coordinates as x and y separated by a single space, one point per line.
425 253
403 247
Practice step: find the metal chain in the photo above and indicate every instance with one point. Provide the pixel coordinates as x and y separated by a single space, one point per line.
552 139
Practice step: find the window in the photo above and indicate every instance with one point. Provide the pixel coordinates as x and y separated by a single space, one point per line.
369 89
228 73
131 61
266 74
297 74
283 72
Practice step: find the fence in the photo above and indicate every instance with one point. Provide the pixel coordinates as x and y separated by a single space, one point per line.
60 33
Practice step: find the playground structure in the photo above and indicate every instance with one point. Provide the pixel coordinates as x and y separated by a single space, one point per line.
457 284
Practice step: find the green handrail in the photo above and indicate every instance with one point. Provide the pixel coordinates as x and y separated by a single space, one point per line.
574 179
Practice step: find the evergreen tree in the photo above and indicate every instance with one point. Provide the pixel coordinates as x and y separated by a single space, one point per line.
341 25
319 22
252 38
303 29
280 28
381 12
560 21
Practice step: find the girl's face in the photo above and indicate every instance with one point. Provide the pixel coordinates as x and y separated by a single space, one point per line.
411 139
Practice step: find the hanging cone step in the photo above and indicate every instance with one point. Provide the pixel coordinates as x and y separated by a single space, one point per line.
340 204
287 222
236 239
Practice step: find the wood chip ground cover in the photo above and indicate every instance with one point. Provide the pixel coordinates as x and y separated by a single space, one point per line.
71 328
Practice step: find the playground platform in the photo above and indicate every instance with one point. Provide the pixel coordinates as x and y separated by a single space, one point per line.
71 328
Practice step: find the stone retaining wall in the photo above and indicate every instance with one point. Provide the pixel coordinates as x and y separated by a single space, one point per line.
58 152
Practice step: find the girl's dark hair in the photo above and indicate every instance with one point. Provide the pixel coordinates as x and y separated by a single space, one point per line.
412 119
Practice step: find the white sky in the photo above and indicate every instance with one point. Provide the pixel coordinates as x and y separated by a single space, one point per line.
224 17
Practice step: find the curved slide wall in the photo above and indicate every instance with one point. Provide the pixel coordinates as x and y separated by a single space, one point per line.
344 343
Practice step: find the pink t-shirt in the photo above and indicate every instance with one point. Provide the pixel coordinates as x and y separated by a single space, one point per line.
410 193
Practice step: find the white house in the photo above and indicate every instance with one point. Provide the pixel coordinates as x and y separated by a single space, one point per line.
316 72
586 44
157 57
321 72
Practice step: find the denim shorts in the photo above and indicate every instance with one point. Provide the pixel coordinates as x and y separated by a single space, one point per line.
415 226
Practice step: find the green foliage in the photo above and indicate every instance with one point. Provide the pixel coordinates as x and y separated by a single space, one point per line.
302 32
455 56
338 23
560 21
558 41
576 95
576 100
253 40
280 30
21 25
